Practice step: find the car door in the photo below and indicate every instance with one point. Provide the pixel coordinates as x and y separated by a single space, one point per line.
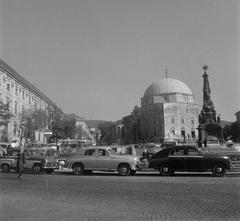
193 160
104 160
176 159
90 157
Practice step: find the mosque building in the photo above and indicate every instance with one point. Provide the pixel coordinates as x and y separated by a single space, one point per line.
167 112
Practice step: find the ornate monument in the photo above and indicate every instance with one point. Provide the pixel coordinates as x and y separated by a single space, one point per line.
209 128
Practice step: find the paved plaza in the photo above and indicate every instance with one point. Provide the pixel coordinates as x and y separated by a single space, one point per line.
103 196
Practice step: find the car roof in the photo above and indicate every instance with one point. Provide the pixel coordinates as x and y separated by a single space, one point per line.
179 147
103 147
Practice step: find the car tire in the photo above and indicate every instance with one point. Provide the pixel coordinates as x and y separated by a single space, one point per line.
36 168
124 169
219 170
49 171
165 170
5 168
78 169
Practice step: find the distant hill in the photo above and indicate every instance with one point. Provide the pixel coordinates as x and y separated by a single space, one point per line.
95 123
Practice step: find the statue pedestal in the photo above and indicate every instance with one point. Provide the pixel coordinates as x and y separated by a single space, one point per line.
209 132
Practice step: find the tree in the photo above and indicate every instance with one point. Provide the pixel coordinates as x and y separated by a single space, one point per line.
63 128
32 120
107 130
235 131
5 116
5 113
227 132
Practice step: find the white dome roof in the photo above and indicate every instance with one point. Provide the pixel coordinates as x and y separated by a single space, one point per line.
167 86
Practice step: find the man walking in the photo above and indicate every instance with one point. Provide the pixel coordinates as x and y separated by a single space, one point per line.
21 157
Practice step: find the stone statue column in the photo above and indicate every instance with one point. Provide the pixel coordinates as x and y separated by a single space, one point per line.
208 106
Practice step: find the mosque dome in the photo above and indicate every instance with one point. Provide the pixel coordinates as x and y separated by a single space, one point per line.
167 86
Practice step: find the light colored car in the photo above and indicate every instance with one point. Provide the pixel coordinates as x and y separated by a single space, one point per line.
103 159
7 163
36 163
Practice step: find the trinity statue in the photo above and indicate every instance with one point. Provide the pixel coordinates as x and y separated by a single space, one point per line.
209 124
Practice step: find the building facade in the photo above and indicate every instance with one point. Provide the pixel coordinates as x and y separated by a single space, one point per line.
21 95
167 112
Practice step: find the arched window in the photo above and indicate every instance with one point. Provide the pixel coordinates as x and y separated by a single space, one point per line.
183 133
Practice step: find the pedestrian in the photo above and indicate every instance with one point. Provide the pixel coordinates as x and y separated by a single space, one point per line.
21 157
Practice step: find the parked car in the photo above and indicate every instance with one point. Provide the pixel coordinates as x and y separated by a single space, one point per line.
7 163
188 158
103 159
36 163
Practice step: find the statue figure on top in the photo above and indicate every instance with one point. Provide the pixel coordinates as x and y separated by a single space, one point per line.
207 102
208 113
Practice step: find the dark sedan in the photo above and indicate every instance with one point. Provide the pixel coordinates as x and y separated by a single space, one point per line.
190 159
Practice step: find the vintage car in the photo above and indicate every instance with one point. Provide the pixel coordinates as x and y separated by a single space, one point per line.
103 159
36 163
7 163
190 159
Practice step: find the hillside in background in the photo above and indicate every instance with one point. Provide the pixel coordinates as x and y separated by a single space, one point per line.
95 123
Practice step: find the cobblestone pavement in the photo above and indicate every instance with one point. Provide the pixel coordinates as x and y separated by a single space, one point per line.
102 196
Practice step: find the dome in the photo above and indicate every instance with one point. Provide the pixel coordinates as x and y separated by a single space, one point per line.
167 86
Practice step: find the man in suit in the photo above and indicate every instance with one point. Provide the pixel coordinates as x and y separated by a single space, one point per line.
21 157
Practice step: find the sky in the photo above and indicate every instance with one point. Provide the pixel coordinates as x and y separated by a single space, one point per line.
96 58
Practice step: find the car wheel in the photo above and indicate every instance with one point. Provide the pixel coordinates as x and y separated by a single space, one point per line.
36 168
78 169
165 170
49 171
218 170
124 170
5 168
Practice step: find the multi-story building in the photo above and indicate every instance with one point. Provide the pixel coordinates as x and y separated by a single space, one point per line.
167 112
21 95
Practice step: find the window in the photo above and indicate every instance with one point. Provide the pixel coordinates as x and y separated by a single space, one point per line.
173 131
192 121
172 120
89 152
177 152
192 152
102 153
182 121
15 107
166 98
183 133
16 90
193 134
8 86
23 94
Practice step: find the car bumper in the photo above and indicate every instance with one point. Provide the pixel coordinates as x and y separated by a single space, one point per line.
50 167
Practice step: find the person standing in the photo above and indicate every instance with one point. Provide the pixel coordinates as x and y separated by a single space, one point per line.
21 157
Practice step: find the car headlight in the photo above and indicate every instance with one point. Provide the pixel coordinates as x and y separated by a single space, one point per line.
61 163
